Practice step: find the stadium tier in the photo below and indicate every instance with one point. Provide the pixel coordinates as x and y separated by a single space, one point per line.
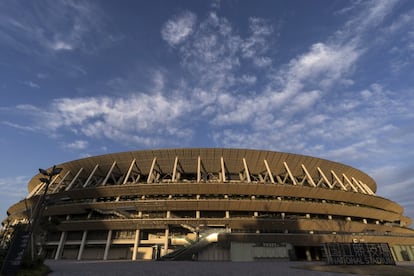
208 204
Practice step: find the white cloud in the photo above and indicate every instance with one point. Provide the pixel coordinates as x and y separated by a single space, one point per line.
395 183
270 116
303 101
215 52
404 20
262 61
309 105
248 79
350 151
158 80
210 56
371 14
259 27
257 44
145 119
401 33
14 187
61 45
52 26
332 60
215 4
21 127
32 84
42 76
322 65
179 28
77 145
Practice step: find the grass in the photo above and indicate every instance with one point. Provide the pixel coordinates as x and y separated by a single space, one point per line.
39 270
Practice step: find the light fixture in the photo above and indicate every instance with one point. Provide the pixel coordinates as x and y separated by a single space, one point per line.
44 172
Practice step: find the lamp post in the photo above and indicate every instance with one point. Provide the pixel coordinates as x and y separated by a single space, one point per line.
21 237
47 179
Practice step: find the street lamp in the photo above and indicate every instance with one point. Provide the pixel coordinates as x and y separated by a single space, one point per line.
18 246
41 202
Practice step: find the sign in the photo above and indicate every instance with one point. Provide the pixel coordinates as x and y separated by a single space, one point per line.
358 254
271 244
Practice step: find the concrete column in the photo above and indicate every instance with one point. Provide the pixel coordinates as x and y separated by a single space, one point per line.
107 245
82 245
394 253
227 214
198 212
136 244
60 246
308 254
256 214
317 256
409 252
167 233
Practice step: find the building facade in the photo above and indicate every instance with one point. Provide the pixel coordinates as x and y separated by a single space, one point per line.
209 204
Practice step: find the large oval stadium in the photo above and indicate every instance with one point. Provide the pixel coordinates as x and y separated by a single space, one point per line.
209 204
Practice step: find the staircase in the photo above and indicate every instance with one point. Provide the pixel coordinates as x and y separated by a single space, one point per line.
187 252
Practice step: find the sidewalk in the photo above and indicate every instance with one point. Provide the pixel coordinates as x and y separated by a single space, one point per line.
179 268
402 268
172 268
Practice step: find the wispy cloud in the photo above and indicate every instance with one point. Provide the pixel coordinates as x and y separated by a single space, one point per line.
179 28
13 188
230 84
21 127
77 145
61 45
396 183
370 15
32 84
138 119
258 42
56 26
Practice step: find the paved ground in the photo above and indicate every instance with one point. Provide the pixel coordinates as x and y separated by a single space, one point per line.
403 269
122 268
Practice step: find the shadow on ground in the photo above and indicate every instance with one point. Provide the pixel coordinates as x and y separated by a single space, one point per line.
179 268
386 270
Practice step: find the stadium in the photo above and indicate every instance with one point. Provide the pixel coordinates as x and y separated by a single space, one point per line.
208 204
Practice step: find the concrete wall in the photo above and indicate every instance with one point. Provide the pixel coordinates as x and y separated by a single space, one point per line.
93 253
214 253
70 253
403 252
248 252
144 253
120 253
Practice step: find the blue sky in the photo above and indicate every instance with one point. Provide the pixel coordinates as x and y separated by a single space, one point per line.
332 79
